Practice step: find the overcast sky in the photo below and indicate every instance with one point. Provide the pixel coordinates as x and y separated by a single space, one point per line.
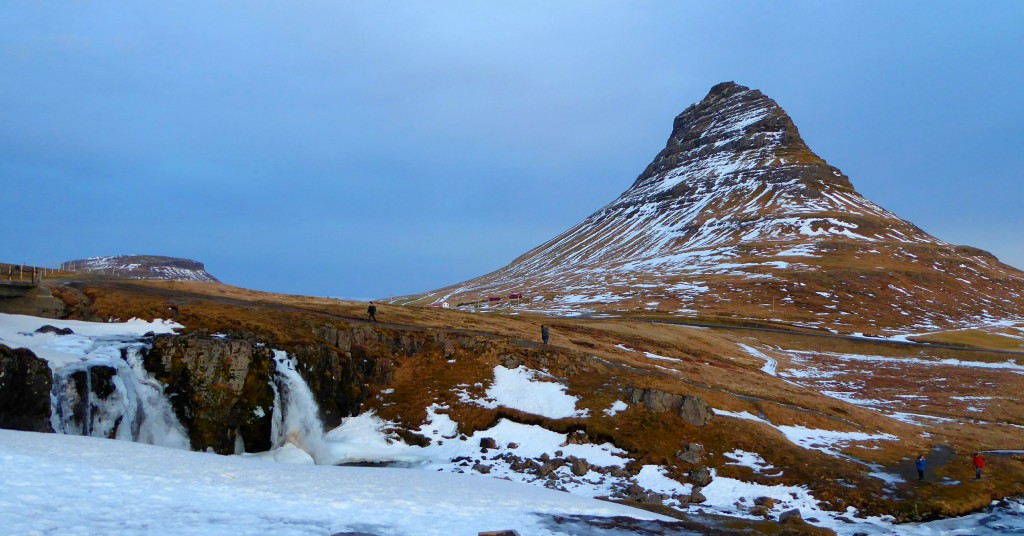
371 149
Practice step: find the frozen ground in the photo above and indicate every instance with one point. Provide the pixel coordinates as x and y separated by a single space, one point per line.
73 485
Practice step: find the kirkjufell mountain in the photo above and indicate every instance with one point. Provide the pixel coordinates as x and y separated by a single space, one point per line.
152 267
737 217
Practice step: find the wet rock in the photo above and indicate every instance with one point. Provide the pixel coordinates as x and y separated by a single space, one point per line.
25 383
216 386
696 411
55 330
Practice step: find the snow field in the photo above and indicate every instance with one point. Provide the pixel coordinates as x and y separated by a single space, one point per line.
82 485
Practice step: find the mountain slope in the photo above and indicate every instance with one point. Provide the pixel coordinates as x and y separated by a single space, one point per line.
736 216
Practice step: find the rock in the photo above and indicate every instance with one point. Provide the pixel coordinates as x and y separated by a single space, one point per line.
513 445
762 511
482 469
696 496
791 516
693 454
660 401
216 386
579 437
546 469
580 467
619 472
55 330
488 443
25 383
765 501
695 411
700 476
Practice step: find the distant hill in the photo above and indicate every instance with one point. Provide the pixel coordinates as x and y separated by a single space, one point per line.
737 217
145 267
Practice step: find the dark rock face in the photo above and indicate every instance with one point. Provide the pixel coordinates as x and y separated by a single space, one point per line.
217 388
25 383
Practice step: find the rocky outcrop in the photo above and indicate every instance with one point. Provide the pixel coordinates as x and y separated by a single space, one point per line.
25 383
218 388
692 409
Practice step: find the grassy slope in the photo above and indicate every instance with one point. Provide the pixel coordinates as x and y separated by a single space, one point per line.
588 356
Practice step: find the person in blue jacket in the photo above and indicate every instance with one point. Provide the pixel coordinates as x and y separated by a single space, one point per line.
920 467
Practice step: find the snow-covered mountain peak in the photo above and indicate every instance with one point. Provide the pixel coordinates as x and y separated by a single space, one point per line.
735 215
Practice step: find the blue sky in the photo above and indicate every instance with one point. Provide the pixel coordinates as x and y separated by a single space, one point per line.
370 149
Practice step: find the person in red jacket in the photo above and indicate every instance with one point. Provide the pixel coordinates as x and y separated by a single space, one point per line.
978 465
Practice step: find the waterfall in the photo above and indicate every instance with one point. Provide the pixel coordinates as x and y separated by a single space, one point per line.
109 394
296 417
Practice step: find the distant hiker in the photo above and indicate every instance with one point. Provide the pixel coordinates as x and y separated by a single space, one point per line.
372 311
544 334
978 465
920 467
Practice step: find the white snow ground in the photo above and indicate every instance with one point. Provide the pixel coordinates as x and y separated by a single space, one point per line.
82 485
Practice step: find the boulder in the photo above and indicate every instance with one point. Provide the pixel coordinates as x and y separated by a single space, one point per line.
696 411
791 517
25 383
580 467
700 476
660 401
55 330
696 496
579 437
693 453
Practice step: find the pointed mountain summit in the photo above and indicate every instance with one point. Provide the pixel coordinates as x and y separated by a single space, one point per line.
737 217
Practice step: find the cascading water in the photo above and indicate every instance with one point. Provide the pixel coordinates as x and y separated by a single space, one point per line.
296 417
109 394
